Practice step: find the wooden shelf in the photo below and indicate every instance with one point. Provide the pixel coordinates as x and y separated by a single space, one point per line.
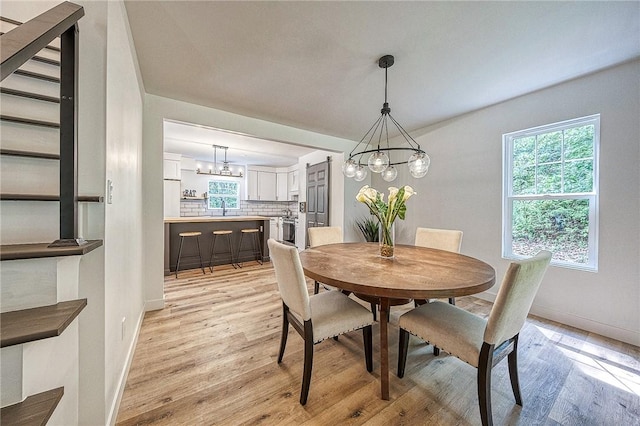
29 325
38 250
34 410
192 198
44 197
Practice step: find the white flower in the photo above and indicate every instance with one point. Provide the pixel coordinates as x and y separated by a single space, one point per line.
408 192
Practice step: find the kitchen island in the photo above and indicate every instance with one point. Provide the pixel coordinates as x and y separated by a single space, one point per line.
173 226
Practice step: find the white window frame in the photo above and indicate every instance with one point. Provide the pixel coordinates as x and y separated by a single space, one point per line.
223 181
508 197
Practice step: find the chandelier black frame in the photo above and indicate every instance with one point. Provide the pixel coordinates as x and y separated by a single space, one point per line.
381 149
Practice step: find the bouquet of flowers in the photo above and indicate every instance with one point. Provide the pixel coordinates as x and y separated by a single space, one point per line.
386 212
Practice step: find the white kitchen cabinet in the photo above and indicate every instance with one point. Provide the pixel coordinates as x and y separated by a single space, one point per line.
171 198
293 181
171 166
261 185
282 185
275 228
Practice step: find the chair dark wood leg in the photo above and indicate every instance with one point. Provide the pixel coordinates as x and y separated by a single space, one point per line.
403 348
513 371
285 331
374 312
452 300
485 365
368 347
316 287
308 361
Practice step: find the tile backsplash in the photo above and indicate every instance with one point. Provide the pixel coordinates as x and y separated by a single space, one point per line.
247 208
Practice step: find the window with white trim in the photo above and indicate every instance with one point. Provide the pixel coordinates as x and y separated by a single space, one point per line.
223 191
550 192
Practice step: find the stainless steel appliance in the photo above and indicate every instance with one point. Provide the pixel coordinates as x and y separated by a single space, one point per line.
289 225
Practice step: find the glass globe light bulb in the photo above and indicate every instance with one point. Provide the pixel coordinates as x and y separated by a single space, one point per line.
390 174
349 168
419 164
378 161
361 173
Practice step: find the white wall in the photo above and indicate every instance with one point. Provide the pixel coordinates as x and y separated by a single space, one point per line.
124 294
156 109
463 190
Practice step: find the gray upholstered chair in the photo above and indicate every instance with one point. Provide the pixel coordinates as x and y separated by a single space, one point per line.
480 342
441 239
316 317
320 236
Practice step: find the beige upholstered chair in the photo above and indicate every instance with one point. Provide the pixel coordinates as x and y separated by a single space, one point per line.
476 341
320 236
441 239
316 317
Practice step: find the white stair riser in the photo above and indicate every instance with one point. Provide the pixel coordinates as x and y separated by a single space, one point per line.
11 370
33 109
28 283
19 175
23 137
25 222
41 68
33 85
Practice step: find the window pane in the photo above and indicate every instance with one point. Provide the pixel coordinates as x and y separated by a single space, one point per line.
578 176
226 191
550 147
549 179
560 226
524 180
524 151
578 142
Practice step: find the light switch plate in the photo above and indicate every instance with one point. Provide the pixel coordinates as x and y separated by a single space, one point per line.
109 192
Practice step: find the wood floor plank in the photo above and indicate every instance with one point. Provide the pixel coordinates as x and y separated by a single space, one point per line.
210 356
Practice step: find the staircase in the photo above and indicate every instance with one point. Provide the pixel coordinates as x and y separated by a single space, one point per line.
40 244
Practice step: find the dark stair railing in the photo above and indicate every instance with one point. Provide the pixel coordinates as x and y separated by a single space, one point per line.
20 45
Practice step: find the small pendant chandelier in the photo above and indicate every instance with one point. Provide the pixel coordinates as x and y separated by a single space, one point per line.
379 154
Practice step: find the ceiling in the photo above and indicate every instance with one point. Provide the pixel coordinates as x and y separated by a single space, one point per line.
314 65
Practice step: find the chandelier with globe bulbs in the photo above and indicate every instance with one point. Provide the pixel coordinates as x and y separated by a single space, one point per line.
379 151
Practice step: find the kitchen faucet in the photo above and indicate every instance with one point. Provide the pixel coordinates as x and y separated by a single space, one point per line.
224 207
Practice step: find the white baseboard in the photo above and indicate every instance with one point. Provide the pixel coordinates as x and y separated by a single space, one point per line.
624 335
122 381
154 305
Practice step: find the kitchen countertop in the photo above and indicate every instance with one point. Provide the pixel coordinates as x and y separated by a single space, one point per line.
199 219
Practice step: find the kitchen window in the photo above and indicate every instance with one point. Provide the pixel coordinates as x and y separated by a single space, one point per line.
223 194
550 192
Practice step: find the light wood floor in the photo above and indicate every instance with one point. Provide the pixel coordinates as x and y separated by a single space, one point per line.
209 358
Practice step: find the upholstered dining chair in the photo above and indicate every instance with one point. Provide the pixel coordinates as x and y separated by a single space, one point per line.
319 236
316 317
476 341
441 239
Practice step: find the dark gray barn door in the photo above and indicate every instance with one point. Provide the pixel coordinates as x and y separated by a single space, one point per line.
317 195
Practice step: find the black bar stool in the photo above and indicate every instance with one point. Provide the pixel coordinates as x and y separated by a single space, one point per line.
256 246
184 235
213 247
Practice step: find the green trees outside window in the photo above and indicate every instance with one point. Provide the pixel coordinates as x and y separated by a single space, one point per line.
222 190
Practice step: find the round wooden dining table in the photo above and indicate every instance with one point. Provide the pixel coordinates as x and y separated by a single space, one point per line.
414 273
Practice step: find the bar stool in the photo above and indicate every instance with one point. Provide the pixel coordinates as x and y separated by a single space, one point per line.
213 246
256 247
184 235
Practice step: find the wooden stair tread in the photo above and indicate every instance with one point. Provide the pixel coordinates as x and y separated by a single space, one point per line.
23 120
29 154
37 75
34 410
49 197
38 250
30 95
28 325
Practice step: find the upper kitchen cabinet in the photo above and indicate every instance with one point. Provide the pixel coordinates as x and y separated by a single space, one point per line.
293 182
282 186
261 184
171 166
